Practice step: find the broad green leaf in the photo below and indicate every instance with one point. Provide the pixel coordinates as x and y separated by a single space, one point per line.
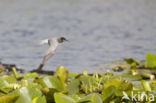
39 100
51 82
6 80
62 74
7 83
151 60
42 99
73 86
131 77
113 82
8 98
93 98
72 75
108 93
49 93
131 61
26 94
31 75
61 98
34 100
126 86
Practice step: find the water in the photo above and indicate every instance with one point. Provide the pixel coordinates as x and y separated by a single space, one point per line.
100 31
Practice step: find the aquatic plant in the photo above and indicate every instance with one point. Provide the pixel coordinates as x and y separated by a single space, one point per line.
66 87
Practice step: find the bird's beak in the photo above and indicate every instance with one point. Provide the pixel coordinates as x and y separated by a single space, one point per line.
43 42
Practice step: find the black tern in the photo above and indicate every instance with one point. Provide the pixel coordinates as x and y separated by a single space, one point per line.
53 45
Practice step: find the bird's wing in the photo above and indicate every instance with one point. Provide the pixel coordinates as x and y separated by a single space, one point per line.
47 56
53 44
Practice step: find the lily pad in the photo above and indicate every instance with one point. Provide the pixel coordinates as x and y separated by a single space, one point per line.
51 82
26 94
61 98
31 75
113 82
73 86
108 93
93 98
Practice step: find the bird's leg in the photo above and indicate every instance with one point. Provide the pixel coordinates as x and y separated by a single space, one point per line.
40 67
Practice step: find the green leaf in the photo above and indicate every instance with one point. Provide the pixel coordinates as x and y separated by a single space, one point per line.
151 60
34 100
31 75
113 82
49 93
51 82
73 75
26 94
7 83
7 80
93 98
15 73
42 99
125 86
61 98
8 99
108 93
73 86
39 100
62 74
131 77
131 61
146 85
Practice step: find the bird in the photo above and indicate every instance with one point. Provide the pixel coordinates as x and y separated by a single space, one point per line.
53 45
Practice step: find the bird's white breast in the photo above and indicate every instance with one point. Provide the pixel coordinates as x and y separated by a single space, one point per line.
53 46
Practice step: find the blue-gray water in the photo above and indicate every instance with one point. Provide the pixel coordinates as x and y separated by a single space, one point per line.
100 31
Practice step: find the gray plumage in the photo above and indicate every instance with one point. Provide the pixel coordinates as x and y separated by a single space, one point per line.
53 45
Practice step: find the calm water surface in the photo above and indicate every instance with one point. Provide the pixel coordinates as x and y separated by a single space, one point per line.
100 31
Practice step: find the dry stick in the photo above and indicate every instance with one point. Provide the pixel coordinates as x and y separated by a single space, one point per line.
8 67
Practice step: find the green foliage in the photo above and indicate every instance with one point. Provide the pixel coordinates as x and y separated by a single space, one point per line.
51 82
93 98
62 98
62 74
151 60
64 87
31 76
1 70
8 99
27 94
73 87
108 93
146 85
91 83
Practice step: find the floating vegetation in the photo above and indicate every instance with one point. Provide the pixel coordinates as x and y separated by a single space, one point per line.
138 85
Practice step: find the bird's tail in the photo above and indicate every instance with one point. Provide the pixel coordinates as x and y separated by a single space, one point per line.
40 67
43 42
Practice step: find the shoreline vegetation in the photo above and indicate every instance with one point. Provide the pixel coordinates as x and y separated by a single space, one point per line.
136 85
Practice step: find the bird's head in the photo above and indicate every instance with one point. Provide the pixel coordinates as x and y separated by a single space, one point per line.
62 39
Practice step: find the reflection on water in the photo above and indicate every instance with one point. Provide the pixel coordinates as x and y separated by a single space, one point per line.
100 31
